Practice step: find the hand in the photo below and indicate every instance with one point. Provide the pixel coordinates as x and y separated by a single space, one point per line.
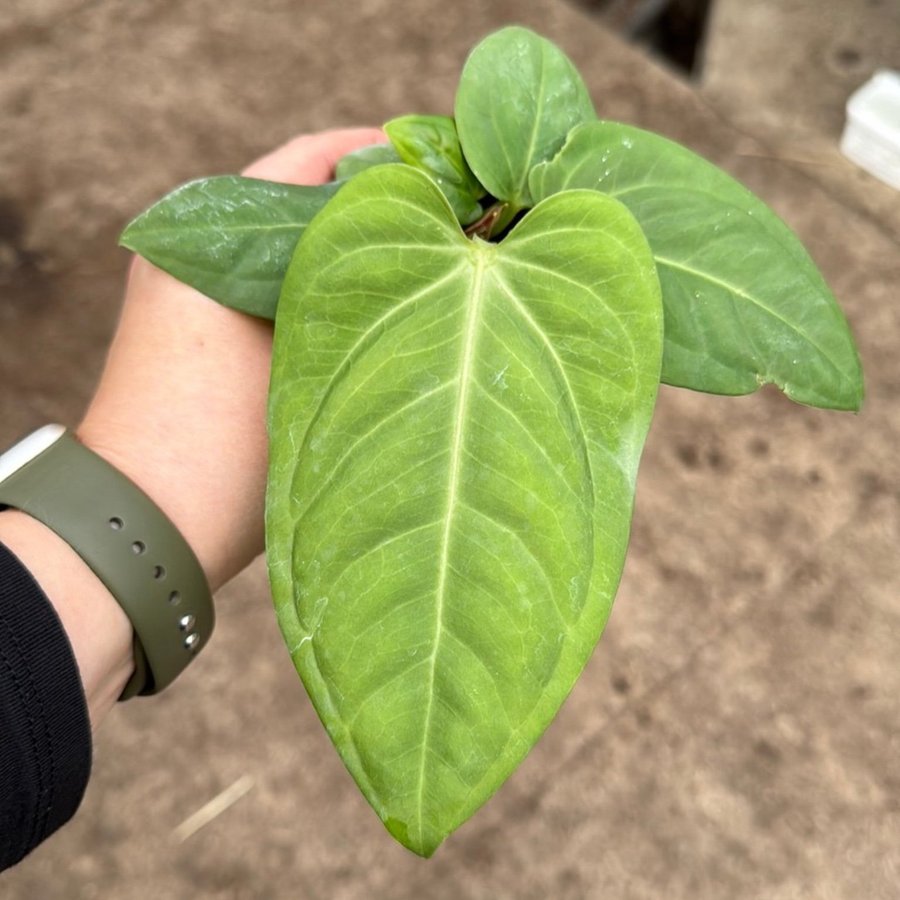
180 409
181 405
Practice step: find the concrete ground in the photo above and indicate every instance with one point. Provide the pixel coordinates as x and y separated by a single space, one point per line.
783 70
737 732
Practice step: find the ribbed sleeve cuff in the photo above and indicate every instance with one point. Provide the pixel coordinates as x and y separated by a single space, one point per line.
45 734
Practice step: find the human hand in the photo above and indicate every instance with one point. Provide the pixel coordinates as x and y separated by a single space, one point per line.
181 405
180 410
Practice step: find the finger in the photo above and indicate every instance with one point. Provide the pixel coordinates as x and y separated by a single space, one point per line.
311 158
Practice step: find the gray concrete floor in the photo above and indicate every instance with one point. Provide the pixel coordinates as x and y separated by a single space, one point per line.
737 732
782 71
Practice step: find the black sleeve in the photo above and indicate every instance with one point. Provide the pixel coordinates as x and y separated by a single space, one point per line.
45 733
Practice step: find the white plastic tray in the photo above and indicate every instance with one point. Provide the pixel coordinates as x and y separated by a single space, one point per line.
872 134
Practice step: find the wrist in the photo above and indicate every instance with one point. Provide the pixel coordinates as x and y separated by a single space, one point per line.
124 537
173 484
99 631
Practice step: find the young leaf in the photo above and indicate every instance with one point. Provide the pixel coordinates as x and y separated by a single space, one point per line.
430 143
455 430
518 98
744 303
359 160
229 237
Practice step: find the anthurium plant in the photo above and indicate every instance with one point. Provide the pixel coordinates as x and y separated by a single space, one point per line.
471 324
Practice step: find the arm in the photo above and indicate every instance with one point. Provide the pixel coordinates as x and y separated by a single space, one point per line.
180 410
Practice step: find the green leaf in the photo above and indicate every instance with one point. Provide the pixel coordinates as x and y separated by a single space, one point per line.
229 237
744 303
455 429
518 98
363 158
430 143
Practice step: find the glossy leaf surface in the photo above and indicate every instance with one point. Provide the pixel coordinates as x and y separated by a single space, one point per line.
363 158
229 237
518 98
430 143
455 430
744 303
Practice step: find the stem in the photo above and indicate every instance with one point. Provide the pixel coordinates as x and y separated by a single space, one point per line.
494 221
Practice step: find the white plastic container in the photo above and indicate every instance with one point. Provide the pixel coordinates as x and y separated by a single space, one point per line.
872 134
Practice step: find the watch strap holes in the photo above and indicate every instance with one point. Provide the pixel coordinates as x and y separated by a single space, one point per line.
159 572
116 523
139 547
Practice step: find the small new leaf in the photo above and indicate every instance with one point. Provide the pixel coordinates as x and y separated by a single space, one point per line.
518 98
430 143
359 160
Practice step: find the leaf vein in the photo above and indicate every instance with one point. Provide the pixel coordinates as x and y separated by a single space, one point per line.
728 286
542 336
362 438
371 331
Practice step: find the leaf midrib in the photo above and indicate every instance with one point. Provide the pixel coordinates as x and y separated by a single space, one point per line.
466 379
179 231
538 117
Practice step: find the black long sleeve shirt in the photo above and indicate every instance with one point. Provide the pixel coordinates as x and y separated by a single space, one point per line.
45 733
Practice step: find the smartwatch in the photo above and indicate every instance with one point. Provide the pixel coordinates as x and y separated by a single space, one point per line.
128 542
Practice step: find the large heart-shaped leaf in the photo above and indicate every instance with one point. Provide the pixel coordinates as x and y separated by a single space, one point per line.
744 303
430 143
455 430
519 96
229 237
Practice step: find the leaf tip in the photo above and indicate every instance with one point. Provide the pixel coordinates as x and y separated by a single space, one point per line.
424 846
857 394
126 238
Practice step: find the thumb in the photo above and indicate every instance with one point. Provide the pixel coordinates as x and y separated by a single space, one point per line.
311 158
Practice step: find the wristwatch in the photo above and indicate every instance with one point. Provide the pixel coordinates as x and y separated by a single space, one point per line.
128 542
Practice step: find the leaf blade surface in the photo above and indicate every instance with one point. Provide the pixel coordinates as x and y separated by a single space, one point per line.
744 303
453 453
430 143
230 237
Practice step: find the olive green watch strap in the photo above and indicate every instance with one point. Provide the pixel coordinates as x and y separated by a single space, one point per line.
127 541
